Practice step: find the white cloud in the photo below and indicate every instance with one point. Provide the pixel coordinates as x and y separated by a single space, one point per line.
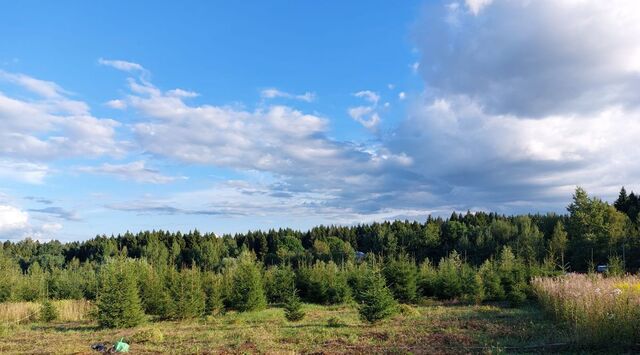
367 116
534 58
26 172
477 5
524 100
116 104
122 65
368 95
402 95
273 93
51 125
136 171
12 220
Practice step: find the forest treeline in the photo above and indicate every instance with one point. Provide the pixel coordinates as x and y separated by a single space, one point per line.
473 256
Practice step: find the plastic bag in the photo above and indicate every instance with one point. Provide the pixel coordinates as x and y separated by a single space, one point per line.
121 346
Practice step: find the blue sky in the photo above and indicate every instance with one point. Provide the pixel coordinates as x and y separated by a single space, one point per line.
233 116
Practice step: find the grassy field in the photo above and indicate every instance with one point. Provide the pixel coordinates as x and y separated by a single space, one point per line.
436 328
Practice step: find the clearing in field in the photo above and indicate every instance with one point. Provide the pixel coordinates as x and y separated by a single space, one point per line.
436 328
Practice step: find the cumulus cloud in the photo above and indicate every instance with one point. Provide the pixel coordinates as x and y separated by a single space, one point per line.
12 221
533 58
273 93
136 171
50 125
524 100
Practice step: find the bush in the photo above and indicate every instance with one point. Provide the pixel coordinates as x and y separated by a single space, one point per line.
401 278
118 303
148 335
293 308
48 312
377 300
407 310
244 281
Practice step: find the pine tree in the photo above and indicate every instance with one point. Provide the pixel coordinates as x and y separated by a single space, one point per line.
212 286
118 302
293 307
377 300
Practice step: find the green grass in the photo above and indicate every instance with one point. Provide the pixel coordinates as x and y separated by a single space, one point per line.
434 328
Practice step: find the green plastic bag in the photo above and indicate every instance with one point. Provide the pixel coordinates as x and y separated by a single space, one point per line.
121 346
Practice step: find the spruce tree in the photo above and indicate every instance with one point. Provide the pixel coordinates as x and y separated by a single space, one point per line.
48 311
186 291
118 303
293 307
401 278
377 300
245 290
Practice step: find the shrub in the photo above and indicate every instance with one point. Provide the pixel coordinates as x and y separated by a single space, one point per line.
48 311
245 290
147 335
293 308
407 310
377 300
118 303
401 278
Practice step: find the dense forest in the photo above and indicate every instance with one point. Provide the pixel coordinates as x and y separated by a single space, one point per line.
476 256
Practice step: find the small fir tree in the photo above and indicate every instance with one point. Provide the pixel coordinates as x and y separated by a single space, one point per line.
401 278
48 312
118 303
245 291
293 307
377 300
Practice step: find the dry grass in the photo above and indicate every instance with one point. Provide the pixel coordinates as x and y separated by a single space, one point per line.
27 312
599 311
434 329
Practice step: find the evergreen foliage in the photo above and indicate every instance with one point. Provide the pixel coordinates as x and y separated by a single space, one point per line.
401 276
293 308
244 287
48 311
118 303
377 300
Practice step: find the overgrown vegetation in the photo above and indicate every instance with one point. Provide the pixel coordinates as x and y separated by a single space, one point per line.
599 311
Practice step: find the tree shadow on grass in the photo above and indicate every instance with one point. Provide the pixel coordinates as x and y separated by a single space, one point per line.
66 327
